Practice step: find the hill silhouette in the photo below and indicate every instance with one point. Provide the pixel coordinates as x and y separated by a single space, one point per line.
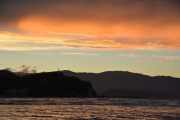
127 84
50 84
71 84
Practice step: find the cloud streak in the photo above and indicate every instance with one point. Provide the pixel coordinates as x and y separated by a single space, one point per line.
166 59
131 55
80 53
16 42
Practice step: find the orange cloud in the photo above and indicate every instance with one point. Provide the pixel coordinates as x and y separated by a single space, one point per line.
83 41
84 24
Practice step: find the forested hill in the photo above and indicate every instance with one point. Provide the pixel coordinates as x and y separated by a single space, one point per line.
51 84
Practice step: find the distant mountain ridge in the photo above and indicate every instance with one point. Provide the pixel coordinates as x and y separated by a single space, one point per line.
127 84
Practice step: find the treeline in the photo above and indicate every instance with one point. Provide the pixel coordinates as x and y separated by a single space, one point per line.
51 84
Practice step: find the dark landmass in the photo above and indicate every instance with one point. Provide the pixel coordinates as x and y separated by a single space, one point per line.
106 84
51 84
127 84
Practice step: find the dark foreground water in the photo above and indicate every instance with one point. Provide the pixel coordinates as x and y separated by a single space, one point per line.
88 108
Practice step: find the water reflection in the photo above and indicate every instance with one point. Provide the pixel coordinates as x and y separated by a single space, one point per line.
84 108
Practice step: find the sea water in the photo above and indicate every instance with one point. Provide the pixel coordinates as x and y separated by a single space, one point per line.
88 109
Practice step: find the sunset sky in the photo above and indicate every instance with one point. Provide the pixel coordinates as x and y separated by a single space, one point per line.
140 36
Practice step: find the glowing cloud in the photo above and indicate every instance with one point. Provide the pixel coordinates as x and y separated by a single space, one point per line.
89 24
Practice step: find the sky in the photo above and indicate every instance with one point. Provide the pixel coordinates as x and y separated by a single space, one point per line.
140 36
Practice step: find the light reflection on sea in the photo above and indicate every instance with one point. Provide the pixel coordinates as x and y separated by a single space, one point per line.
88 108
